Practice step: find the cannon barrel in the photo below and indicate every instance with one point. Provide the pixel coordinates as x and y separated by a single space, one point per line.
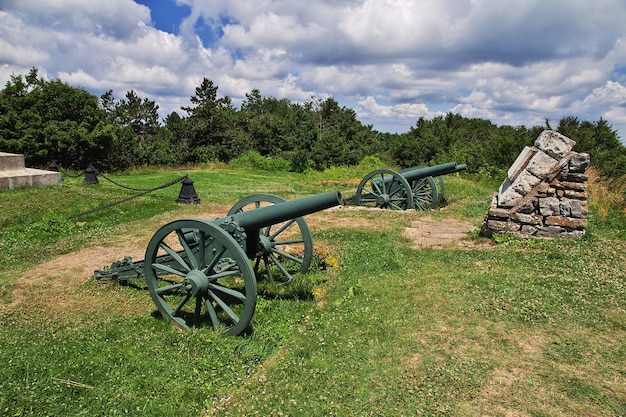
413 174
288 210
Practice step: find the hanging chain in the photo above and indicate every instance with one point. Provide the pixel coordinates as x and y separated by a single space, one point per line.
144 191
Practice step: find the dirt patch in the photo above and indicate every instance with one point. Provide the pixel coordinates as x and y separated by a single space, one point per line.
59 282
428 232
424 231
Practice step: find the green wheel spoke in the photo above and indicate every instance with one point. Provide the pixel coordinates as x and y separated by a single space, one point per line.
175 255
181 304
286 255
163 290
197 314
223 274
281 229
188 251
281 267
212 314
215 260
228 291
201 255
288 242
234 317
376 185
168 269
266 262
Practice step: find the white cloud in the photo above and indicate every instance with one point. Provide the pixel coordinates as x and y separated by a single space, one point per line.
514 62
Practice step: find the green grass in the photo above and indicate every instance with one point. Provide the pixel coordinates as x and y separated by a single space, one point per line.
522 328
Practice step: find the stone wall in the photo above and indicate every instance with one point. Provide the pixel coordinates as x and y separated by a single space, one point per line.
545 193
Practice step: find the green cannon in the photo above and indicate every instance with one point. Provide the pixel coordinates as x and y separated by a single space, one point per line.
204 272
419 188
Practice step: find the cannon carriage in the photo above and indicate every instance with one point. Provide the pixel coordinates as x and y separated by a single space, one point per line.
419 188
201 272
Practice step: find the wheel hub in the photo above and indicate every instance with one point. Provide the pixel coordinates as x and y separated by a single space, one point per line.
383 200
265 244
196 282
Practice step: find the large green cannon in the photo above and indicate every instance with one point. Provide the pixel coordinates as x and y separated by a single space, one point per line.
200 272
419 188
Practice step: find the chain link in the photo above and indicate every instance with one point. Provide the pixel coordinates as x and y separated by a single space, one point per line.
144 191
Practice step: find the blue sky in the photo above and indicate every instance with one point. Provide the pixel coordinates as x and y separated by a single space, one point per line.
514 62
166 15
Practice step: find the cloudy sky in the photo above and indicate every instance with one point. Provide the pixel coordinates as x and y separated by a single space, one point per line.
393 61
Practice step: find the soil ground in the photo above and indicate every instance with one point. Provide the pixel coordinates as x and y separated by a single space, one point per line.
65 274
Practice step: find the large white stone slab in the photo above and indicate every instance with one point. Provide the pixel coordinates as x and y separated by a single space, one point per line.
554 144
520 163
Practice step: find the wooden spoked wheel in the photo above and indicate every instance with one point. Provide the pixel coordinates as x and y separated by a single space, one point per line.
425 195
384 188
285 249
198 275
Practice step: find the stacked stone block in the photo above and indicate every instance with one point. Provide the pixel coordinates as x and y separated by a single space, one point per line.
545 193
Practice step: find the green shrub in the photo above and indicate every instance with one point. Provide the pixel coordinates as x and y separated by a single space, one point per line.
255 160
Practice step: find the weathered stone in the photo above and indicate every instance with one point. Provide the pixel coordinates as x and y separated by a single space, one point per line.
525 183
513 227
528 230
543 188
549 206
541 165
578 209
498 225
575 177
579 162
580 195
565 208
550 231
527 208
499 213
578 186
508 198
528 218
502 226
554 144
566 222
520 163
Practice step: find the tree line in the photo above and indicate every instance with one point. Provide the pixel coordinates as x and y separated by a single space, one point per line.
53 121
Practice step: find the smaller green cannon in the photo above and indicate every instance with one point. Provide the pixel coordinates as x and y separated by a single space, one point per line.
202 272
419 188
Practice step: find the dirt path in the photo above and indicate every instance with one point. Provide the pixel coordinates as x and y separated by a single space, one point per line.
428 232
58 283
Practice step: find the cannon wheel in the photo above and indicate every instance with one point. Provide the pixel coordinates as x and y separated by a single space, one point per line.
287 246
198 274
385 188
425 195
440 188
427 192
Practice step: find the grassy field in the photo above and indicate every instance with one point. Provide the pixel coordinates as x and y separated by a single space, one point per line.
518 328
